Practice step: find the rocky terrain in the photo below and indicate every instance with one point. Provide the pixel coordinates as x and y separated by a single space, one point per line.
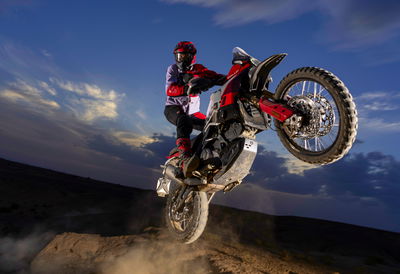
52 222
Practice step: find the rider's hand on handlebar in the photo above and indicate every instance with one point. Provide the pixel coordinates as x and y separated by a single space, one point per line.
186 77
197 85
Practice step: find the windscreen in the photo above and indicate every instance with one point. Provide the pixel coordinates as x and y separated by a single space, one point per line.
240 55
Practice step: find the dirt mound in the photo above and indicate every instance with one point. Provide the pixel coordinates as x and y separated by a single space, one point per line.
154 252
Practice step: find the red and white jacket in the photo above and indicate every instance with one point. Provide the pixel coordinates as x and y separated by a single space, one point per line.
176 91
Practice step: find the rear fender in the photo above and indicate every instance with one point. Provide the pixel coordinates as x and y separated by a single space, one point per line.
260 74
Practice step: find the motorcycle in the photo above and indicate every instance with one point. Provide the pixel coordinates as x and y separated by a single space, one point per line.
314 116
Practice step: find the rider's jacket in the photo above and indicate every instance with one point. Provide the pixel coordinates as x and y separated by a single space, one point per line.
175 87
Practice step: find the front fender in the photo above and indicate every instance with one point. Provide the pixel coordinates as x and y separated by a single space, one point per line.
259 76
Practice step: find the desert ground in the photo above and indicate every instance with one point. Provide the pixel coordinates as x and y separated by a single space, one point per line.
51 222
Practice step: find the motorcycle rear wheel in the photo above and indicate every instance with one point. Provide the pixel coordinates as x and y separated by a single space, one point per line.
332 115
186 224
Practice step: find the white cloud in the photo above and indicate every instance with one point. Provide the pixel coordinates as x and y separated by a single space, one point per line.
22 62
95 109
376 108
47 88
380 106
355 25
22 92
46 53
296 166
85 89
141 114
382 95
25 87
378 124
88 101
12 95
133 139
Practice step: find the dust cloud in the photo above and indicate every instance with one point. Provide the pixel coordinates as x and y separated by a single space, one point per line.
159 257
17 253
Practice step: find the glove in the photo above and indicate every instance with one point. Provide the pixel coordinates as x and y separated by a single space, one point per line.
220 81
197 85
186 77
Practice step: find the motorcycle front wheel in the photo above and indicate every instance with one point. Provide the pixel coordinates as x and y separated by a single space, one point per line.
329 126
186 217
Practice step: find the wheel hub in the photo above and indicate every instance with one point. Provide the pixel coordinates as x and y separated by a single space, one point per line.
315 117
180 218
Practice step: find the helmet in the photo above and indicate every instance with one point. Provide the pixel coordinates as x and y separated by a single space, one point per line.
184 52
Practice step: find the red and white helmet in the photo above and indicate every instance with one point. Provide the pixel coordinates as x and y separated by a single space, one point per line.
185 53
186 47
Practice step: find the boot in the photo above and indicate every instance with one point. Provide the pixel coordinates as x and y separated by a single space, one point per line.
184 147
188 162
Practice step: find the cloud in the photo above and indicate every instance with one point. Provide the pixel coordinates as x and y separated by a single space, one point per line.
377 111
355 25
296 166
235 12
133 139
379 125
373 176
360 25
6 5
369 196
380 106
353 210
86 90
62 142
46 53
90 110
47 88
24 63
89 102
149 154
268 161
22 92
142 115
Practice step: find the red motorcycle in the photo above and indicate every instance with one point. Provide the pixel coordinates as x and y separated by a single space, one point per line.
313 113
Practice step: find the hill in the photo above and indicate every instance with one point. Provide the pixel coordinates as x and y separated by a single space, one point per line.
51 222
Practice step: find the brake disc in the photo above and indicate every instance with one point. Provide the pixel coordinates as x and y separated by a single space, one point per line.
309 110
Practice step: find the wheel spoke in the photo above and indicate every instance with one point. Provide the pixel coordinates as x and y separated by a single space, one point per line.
324 123
318 144
306 144
321 144
315 91
321 89
330 137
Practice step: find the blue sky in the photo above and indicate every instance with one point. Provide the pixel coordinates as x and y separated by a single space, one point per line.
82 91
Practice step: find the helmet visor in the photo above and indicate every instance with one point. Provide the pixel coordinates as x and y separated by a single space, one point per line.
183 57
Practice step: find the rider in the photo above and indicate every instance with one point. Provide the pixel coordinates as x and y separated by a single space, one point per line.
184 82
